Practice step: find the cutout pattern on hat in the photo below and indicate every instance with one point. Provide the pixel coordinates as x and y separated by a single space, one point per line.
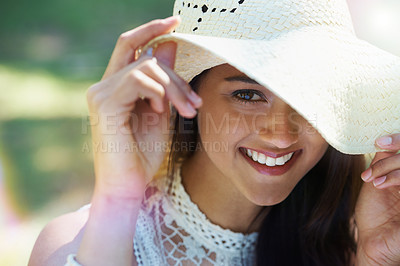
257 19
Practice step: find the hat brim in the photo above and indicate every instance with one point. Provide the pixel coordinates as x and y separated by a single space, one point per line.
348 89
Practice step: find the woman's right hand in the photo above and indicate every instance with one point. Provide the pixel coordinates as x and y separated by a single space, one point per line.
121 121
122 173
103 235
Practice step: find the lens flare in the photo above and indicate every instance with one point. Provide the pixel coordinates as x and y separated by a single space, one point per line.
378 22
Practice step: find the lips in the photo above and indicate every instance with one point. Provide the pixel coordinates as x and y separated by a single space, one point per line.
269 163
263 158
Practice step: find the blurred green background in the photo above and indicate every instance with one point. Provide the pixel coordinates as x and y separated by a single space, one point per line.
50 53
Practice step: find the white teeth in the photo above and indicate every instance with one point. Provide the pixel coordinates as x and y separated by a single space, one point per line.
280 161
270 161
249 152
286 157
263 159
255 156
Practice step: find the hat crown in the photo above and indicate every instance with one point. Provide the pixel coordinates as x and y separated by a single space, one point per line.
259 19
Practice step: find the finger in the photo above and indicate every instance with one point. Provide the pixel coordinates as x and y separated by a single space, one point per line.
151 67
181 102
178 98
173 93
178 92
381 167
389 180
128 42
382 155
367 174
194 98
137 84
390 142
165 54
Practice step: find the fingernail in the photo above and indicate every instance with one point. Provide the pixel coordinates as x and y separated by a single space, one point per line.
366 174
384 141
195 98
378 181
190 108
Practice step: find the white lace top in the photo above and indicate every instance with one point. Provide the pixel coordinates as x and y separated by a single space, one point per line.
171 230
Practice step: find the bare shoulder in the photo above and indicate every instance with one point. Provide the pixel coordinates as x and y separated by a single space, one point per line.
58 239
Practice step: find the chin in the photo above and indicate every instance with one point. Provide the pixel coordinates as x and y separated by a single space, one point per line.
268 197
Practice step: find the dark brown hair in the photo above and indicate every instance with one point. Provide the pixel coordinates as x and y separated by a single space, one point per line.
313 225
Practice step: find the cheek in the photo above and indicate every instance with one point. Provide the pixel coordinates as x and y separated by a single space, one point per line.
316 149
314 144
227 127
319 143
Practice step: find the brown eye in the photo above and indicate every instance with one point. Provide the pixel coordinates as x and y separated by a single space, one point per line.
247 95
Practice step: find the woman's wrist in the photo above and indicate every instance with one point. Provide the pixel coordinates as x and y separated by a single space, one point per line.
126 194
112 220
118 197
105 205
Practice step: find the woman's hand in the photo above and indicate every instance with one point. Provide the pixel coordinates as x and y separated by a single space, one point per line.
132 134
378 207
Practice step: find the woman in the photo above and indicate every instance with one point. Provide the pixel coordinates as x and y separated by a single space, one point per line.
259 173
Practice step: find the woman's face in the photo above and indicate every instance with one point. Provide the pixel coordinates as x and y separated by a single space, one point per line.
254 138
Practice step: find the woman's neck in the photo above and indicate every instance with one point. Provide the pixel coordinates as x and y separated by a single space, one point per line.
218 198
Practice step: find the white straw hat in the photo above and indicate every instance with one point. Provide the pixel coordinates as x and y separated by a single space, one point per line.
304 51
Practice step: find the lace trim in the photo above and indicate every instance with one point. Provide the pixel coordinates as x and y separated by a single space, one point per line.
171 230
194 220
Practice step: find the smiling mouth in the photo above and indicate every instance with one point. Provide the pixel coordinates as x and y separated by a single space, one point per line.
270 164
267 160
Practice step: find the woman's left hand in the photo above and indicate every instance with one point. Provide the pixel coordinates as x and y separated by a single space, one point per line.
378 207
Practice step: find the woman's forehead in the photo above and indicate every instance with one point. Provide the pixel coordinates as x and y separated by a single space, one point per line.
226 72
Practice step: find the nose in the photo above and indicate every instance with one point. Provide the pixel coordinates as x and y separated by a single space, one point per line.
280 126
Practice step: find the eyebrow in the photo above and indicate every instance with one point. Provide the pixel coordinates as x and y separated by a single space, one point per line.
242 79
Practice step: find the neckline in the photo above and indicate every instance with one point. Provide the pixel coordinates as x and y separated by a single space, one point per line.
196 221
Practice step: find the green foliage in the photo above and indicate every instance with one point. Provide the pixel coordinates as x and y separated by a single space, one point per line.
49 52
71 38
48 159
